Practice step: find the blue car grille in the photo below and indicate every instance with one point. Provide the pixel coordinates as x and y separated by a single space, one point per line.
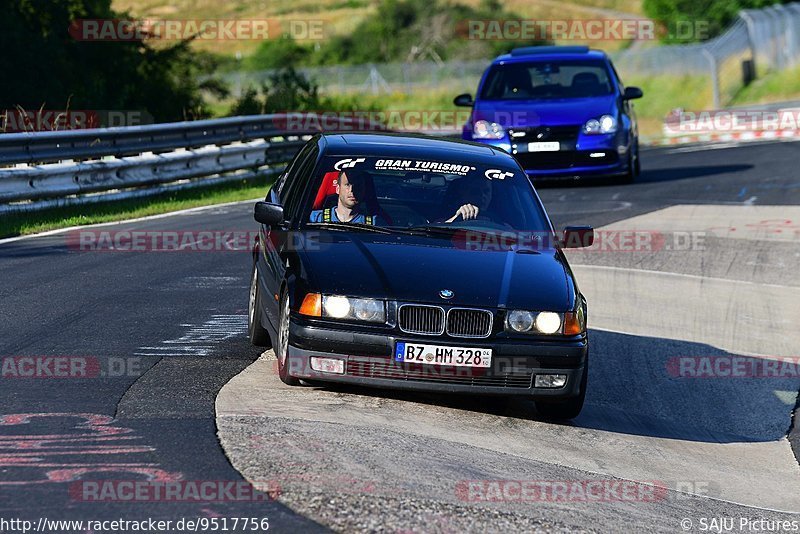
565 159
563 134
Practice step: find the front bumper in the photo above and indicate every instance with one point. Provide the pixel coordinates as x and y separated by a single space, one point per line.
589 156
368 362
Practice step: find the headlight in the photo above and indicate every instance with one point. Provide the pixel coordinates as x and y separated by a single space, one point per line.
368 310
548 322
604 125
487 130
522 321
338 307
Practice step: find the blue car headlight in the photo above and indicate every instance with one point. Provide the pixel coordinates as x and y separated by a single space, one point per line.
487 130
604 125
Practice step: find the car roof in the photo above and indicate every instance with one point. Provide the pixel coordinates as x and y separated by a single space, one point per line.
521 55
391 145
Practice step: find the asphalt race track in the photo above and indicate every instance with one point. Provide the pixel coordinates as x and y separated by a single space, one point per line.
174 391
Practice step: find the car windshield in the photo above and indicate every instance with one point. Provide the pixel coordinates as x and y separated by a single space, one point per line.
418 193
542 80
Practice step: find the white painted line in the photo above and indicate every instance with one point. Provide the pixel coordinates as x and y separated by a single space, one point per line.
681 275
701 148
189 349
161 354
125 221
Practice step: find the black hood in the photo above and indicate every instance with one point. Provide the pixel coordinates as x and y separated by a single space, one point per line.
417 268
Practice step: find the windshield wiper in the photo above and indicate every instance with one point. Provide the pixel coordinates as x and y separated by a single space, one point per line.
352 227
431 230
489 239
443 230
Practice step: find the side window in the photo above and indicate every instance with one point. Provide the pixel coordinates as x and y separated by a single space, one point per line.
298 183
291 168
617 78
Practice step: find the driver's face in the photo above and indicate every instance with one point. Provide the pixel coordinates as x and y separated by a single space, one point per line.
344 189
478 192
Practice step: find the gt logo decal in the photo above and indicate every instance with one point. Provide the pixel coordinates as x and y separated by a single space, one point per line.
496 174
348 163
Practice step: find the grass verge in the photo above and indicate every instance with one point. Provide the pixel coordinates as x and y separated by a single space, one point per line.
774 86
51 219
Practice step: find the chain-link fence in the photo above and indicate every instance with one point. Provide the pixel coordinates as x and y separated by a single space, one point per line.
379 78
758 42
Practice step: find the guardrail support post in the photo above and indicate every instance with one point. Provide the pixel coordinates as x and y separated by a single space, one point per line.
714 77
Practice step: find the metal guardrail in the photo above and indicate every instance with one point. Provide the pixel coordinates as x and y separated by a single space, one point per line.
49 169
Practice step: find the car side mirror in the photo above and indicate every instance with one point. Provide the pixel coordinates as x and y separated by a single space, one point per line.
632 93
577 237
464 100
268 213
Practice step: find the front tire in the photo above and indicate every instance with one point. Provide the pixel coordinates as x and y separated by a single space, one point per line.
282 347
634 166
258 334
564 410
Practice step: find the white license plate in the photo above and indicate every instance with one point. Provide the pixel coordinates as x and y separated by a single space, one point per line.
546 146
441 355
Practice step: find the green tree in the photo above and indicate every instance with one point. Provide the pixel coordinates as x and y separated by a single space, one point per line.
717 14
285 90
44 66
277 53
290 91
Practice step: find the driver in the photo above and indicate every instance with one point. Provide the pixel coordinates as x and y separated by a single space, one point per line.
349 208
473 197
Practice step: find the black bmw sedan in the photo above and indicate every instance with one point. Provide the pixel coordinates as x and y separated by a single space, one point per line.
400 261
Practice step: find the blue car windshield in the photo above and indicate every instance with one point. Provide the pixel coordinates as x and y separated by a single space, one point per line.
544 80
412 192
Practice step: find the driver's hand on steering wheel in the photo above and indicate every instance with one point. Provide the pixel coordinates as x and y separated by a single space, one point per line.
467 212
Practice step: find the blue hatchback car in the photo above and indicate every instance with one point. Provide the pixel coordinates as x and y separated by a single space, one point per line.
561 111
